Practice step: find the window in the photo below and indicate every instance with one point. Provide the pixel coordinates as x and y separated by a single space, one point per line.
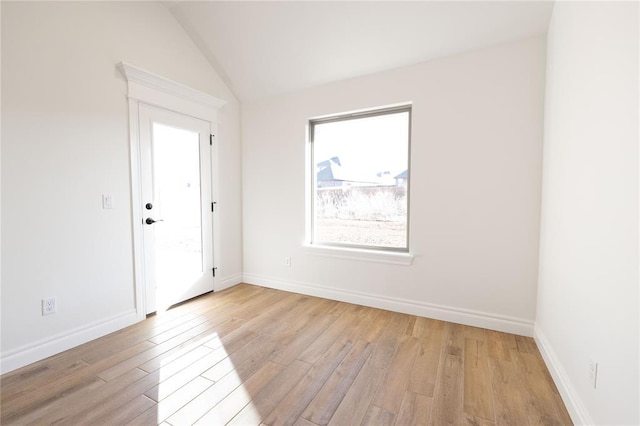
360 179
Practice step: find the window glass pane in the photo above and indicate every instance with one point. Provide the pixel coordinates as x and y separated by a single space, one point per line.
361 180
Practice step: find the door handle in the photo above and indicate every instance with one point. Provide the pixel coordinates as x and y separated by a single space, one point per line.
150 221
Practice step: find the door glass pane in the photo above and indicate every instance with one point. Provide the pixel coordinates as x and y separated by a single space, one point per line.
176 180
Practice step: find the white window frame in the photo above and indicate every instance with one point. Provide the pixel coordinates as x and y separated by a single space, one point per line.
393 255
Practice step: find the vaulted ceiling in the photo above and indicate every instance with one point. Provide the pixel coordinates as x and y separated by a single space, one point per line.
265 48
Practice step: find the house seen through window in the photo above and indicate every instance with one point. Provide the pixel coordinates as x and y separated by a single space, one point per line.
361 182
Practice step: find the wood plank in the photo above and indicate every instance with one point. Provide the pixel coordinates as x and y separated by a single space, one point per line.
356 402
103 407
365 317
391 390
47 407
264 401
210 315
477 382
497 346
146 418
200 322
115 343
419 327
219 391
390 339
526 345
300 422
128 411
249 403
414 410
377 416
326 401
186 375
294 403
37 385
260 306
454 339
177 364
272 313
253 296
320 345
174 402
377 327
409 328
212 335
69 405
245 361
95 413
475 333
233 341
447 400
434 332
541 404
292 324
169 349
21 377
301 341
507 393
510 341
424 372
339 309
45 391
470 420
280 326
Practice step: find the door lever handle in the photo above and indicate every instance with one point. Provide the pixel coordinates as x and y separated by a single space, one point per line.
150 221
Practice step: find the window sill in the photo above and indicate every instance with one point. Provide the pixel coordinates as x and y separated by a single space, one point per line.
381 256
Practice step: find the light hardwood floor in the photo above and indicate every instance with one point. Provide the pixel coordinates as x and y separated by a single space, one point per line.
250 355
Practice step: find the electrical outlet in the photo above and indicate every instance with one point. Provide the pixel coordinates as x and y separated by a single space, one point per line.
287 261
49 306
593 372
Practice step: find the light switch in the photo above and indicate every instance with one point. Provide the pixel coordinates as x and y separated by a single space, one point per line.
107 201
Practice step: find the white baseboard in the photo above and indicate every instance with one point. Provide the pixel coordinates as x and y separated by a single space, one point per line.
27 354
490 321
572 401
227 282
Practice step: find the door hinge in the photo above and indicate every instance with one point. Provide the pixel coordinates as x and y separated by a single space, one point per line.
213 205
211 139
214 271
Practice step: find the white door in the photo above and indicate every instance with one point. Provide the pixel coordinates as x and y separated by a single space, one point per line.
176 207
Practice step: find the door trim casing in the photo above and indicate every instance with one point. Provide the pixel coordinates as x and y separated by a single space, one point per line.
144 87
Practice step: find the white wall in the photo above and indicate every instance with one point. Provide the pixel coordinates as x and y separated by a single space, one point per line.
65 143
588 288
475 191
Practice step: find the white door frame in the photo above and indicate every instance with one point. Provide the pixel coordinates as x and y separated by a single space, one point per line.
148 88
